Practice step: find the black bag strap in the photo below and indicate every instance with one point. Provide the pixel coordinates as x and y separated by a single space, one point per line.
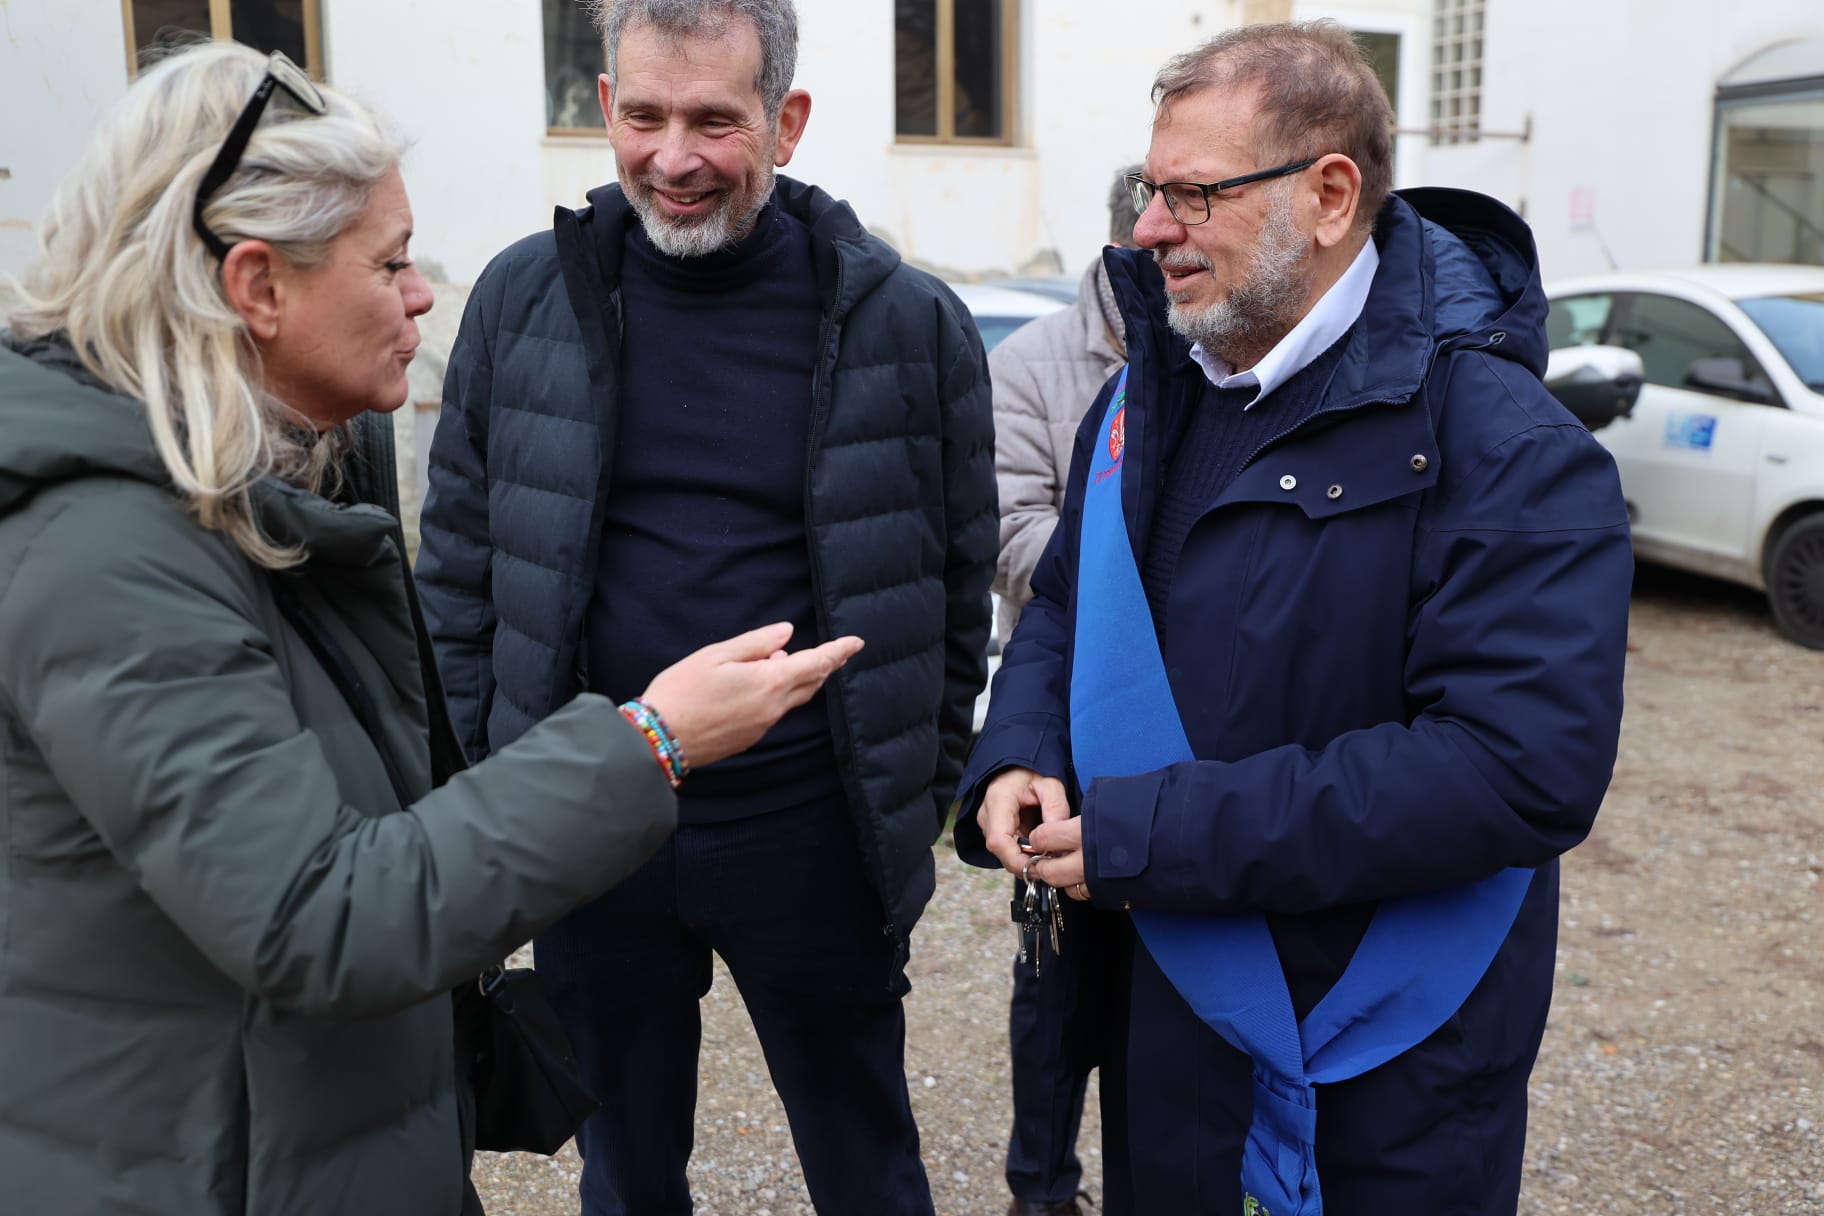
374 480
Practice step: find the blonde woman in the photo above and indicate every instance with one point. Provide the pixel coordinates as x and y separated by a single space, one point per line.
231 905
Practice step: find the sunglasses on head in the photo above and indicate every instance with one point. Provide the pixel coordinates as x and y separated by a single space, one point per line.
281 73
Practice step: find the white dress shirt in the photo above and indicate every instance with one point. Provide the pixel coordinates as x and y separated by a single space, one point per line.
1331 317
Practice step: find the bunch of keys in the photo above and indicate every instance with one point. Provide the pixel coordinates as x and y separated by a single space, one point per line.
1042 909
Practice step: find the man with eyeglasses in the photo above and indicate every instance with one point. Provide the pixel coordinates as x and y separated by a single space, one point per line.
1322 669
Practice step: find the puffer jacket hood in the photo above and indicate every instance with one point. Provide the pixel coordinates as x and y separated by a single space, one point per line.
58 422
1457 268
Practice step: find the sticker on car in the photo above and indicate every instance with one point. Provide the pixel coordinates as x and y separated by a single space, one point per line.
1693 431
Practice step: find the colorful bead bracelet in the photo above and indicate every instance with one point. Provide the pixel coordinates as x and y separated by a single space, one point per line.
665 746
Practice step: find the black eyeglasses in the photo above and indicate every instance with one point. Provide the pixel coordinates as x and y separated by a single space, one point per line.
1189 202
282 73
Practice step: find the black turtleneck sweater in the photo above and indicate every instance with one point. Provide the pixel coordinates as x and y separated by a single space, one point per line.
703 535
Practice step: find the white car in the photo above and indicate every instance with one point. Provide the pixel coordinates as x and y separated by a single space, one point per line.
1722 459
998 311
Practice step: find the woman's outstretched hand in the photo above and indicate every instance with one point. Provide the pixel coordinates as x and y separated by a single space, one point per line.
719 700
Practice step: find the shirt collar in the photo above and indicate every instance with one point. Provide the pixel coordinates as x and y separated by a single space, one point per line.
1329 319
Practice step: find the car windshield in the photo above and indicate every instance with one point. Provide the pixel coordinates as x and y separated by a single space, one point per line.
1795 324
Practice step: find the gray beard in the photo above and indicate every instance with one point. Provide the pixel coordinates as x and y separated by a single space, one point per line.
1260 309
697 236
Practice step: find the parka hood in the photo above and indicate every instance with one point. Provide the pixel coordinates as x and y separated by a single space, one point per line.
59 422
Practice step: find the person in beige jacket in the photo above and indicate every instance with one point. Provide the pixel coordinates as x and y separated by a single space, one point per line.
1046 375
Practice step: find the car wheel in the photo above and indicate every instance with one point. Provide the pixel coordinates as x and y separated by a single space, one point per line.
1795 582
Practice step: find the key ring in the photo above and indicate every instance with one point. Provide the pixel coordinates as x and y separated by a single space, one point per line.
1026 871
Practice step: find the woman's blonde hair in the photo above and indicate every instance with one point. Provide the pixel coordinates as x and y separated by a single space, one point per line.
123 274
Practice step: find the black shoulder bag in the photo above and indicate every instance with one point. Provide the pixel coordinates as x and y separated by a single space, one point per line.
529 1091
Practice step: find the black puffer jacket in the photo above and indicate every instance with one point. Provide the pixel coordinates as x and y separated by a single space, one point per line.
899 504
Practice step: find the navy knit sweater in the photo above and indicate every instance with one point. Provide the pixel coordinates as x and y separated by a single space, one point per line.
703 533
1217 441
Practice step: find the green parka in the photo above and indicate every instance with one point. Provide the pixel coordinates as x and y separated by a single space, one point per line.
225 948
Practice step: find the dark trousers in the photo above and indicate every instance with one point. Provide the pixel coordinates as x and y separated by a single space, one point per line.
782 899
1063 1023
1440 1129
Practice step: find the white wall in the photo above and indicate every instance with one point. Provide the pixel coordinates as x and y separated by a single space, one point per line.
1620 94
484 172
1083 108
1089 104
466 78
1411 20
61 63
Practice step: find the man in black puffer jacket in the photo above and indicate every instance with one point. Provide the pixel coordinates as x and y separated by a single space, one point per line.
709 401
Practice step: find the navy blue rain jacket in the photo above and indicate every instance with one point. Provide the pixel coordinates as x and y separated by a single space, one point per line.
1396 640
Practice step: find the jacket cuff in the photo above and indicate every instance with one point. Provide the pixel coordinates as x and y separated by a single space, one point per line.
1031 741
1118 837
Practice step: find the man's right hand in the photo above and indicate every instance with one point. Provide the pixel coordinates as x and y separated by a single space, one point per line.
719 700
1015 802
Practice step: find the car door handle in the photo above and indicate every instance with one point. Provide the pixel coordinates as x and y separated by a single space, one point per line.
1775 458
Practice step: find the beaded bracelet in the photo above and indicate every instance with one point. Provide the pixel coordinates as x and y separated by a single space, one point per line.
665 746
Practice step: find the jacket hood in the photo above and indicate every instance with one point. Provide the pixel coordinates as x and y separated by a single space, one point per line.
849 261
59 422
1457 268
1103 325
1485 272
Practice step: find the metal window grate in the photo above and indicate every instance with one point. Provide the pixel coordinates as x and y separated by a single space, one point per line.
1456 71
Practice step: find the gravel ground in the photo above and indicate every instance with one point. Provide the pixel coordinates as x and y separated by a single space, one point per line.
1683 1068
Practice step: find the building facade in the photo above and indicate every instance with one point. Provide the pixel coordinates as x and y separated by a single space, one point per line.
979 135
1638 133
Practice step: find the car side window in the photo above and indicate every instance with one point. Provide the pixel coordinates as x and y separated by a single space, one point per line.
1684 345
1577 320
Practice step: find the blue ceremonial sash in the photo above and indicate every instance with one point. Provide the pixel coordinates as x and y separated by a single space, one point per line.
1417 963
